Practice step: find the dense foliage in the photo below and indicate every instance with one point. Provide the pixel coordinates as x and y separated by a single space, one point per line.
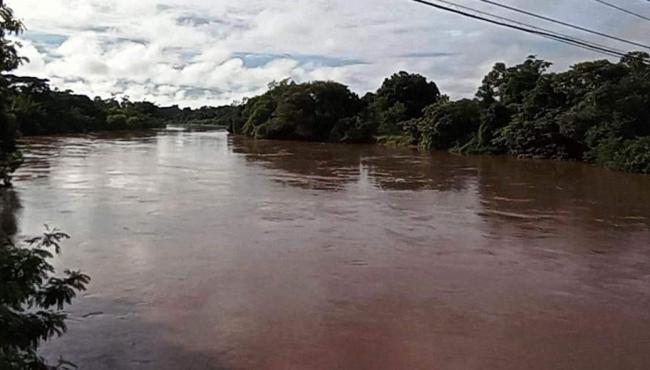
223 116
316 111
329 111
29 106
597 111
9 60
32 299
36 109
40 110
401 97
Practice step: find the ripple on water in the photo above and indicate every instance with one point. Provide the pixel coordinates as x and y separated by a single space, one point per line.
323 256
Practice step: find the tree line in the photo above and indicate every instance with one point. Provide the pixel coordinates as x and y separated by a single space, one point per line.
30 107
597 111
37 109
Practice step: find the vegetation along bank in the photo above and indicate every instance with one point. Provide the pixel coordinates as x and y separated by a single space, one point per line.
597 111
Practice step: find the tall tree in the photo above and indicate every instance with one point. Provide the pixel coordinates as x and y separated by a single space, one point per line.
9 60
402 97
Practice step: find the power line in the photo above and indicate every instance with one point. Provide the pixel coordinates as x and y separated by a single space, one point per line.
622 9
548 19
566 40
556 37
458 6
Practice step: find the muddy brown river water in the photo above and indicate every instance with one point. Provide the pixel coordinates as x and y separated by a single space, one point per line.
216 252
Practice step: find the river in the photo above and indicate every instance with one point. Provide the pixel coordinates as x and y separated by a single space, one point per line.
209 251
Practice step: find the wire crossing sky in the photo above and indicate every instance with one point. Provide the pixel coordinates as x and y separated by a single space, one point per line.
510 20
566 24
527 28
622 9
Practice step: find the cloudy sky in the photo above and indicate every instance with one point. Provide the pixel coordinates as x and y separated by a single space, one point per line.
212 52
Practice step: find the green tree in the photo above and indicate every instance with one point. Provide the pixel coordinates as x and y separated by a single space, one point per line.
10 158
315 111
447 125
511 85
402 97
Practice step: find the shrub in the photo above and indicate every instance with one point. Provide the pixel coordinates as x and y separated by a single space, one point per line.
32 299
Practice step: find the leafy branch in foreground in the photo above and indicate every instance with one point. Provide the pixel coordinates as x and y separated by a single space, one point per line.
32 299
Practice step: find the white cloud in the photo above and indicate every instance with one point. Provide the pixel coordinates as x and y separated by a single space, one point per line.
194 52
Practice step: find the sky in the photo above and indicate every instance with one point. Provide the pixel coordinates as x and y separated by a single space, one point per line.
214 52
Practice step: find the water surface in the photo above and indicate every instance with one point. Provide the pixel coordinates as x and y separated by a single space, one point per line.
216 252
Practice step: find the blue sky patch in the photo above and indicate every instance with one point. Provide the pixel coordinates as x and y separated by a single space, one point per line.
45 39
426 55
253 60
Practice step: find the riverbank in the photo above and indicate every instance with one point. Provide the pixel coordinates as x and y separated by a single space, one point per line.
596 112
